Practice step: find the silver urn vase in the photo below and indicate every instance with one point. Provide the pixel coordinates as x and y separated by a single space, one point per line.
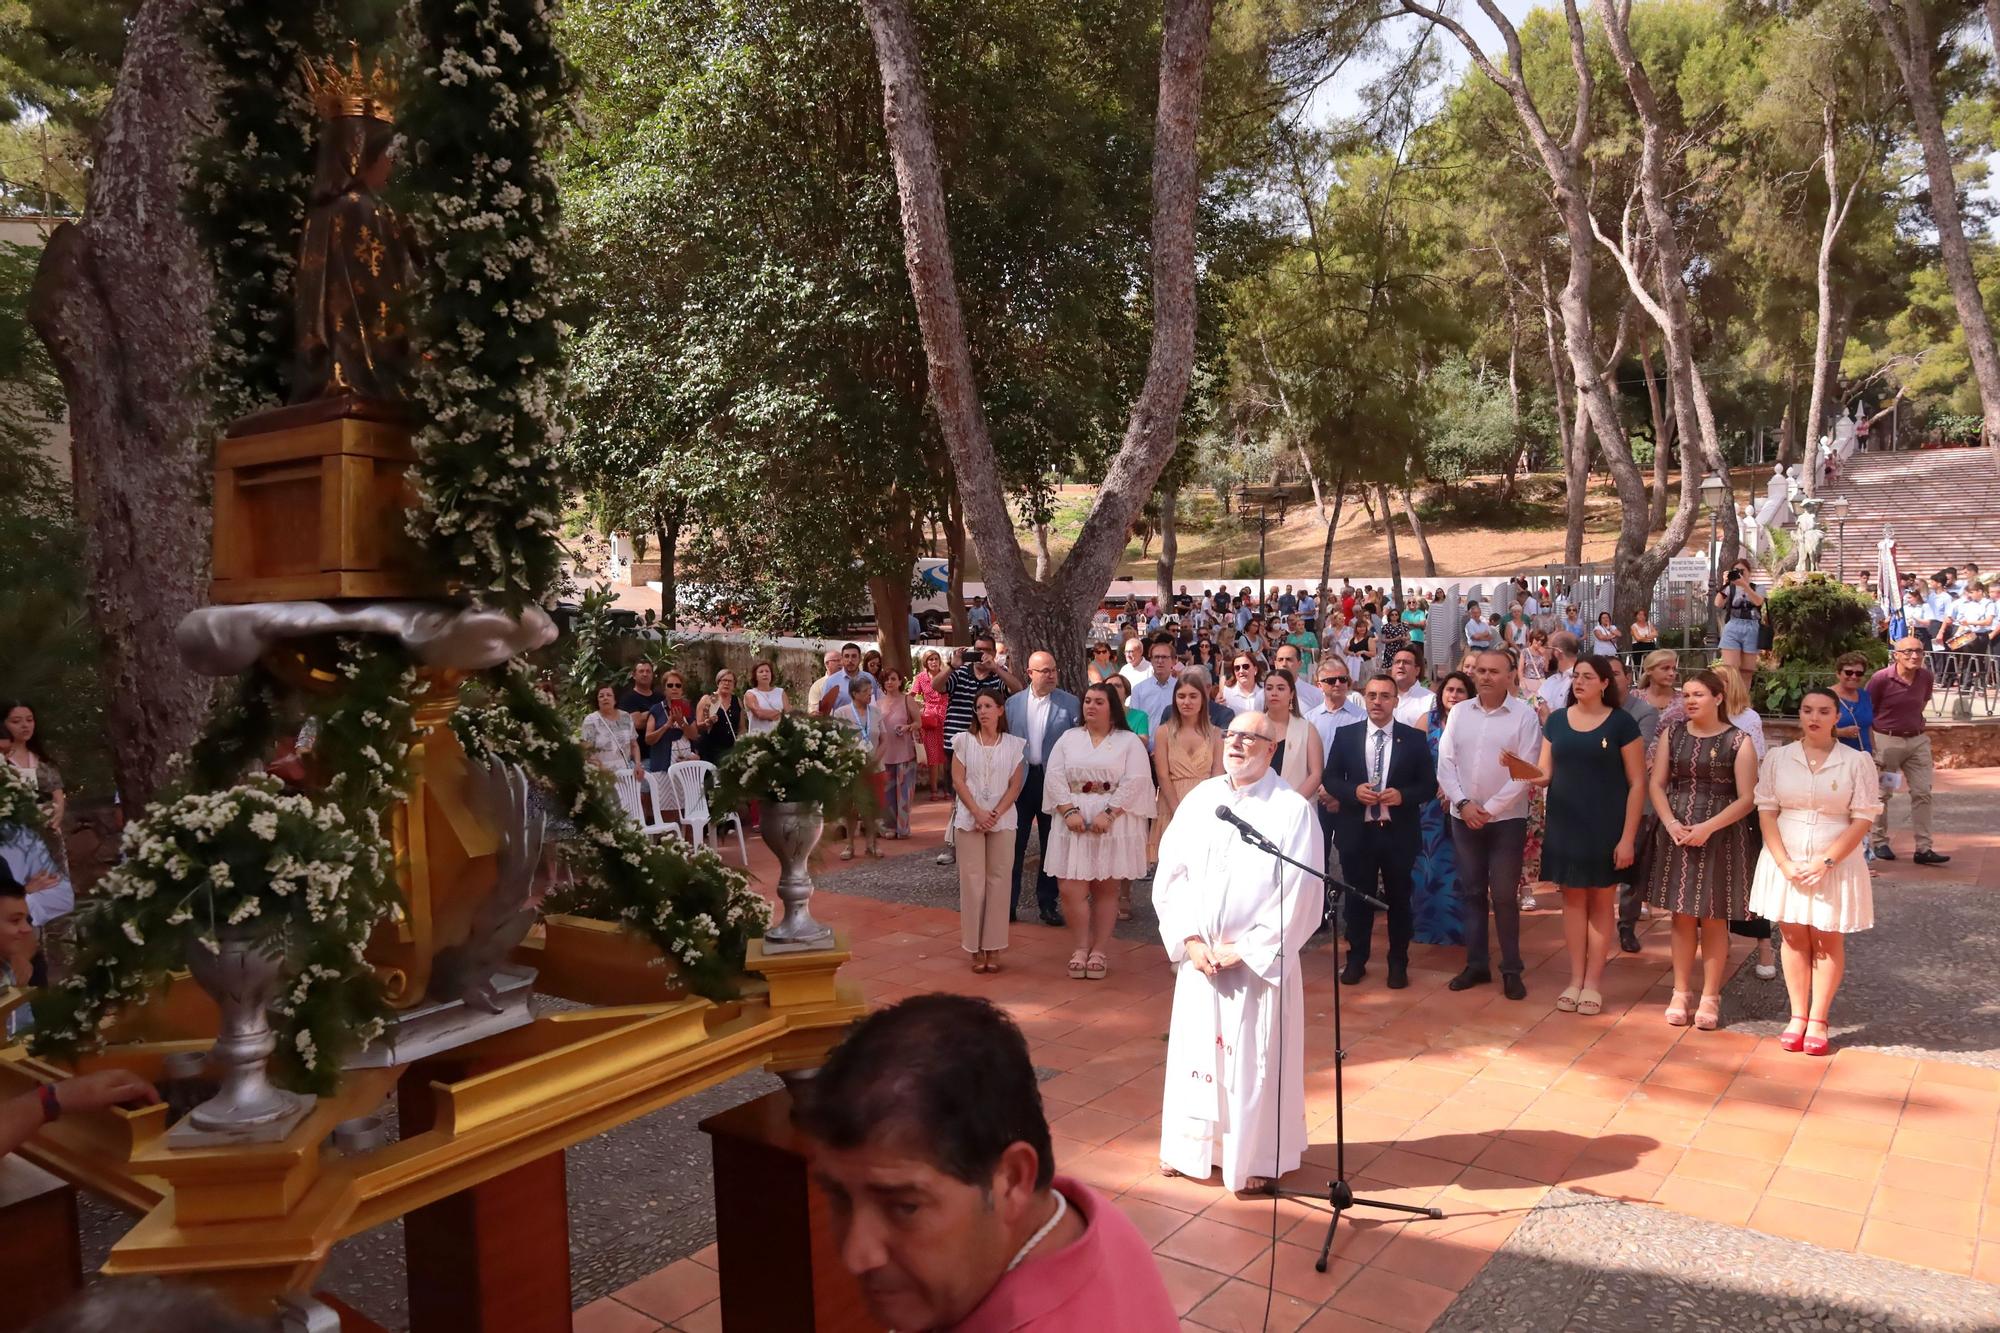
241 975
791 830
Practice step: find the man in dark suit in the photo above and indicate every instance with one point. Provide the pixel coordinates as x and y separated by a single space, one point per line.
1381 773
1038 715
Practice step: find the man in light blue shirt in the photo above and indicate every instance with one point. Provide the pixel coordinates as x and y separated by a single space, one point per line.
1153 693
27 859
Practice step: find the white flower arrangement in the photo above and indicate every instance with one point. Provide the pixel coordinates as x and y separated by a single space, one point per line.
288 866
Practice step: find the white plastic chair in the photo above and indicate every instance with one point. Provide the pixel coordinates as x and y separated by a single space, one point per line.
628 798
691 779
664 823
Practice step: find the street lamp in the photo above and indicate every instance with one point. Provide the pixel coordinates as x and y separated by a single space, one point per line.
1243 501
1839 507
1715 492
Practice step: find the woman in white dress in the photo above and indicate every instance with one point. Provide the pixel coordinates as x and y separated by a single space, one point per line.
1816 799
764 703
1099 786
987 768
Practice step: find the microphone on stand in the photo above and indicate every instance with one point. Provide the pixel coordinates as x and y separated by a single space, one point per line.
1241 825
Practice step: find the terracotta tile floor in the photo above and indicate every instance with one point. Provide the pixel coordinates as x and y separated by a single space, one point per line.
1466 1101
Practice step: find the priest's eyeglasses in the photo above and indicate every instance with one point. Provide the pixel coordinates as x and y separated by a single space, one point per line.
1243 740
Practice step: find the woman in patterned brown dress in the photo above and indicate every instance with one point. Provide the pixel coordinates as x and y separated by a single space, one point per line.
1702 855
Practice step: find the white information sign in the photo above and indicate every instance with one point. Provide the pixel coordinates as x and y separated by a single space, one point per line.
1687 569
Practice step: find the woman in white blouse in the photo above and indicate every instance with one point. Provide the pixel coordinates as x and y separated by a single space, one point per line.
859 712
1297 759
1099 786
987 768
764 702
1816 799
609 741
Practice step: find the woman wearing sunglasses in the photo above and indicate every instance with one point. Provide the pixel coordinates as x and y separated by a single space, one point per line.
1855 719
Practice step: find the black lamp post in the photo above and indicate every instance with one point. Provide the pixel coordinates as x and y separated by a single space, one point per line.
1839 507
1243 501
1714 492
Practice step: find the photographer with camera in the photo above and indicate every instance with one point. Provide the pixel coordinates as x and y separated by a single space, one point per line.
1741 607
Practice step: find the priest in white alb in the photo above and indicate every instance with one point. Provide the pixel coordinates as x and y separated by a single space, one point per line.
1235 1080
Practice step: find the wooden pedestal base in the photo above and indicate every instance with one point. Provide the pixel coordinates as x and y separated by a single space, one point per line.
41 1265
775 1248
493 1258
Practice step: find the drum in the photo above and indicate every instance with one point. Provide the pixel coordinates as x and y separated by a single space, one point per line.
1964 639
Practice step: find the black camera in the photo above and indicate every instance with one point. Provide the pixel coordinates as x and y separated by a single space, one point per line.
975 655
1734 575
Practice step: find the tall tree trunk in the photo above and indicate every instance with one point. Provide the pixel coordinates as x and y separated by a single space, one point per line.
1513 463
1662 439
890 593
1417 530
954 583
1054 614
1576 496
667 533
1788 423
1170 546
1045 561
1906 27
1823 329
1694 416
1326 563
121 300
1395 557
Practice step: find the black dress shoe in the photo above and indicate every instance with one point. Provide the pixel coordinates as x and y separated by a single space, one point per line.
1399 975
1053 919
1884 852
1628 939
1512 987
1470 977
1928 857
1351 974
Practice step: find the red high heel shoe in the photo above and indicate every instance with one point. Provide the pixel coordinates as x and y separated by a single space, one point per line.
1789 1040
1816 1045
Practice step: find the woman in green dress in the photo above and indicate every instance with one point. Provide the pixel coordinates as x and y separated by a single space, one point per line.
1593 763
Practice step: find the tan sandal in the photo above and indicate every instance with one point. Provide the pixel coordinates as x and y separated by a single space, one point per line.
1078 964
1097 967
1677 1008
1566 1002
1708 1014
1589 1003
1257 1185
1166 1170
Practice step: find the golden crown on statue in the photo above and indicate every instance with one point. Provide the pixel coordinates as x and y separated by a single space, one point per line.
352 91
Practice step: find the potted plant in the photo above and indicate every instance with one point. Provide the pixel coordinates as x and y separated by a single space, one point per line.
797 771
269 900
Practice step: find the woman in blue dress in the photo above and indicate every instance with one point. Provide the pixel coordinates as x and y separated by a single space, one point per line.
1437 916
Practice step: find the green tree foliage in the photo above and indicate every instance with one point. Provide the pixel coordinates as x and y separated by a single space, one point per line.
52 653
749 347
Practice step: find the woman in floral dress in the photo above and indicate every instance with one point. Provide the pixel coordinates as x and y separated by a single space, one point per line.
1436 913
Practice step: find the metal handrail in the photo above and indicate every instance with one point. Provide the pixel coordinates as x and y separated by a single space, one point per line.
1968 684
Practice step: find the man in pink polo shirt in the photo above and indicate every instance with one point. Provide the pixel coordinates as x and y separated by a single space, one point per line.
929 1140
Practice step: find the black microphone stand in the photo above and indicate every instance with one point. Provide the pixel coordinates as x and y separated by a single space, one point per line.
1339 1195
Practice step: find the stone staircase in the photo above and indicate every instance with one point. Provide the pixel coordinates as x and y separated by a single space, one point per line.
1943 504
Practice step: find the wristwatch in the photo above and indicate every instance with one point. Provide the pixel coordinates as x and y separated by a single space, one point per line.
1458 806
51 1108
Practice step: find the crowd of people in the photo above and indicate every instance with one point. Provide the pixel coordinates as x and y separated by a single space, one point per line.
1546 749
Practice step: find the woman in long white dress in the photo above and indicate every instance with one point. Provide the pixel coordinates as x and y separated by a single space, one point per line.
1816 799
1099 787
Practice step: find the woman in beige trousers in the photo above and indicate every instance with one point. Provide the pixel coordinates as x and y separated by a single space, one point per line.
987 767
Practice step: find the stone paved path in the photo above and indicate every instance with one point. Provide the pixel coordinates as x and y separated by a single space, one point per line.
1583 1264
1866 1183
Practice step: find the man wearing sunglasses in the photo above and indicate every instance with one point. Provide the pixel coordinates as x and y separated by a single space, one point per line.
1899 693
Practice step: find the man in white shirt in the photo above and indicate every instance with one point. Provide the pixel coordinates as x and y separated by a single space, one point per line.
1243 694
1288 658
1489 815
1553 697
1479 632
1136 667
1413 700
1154 693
